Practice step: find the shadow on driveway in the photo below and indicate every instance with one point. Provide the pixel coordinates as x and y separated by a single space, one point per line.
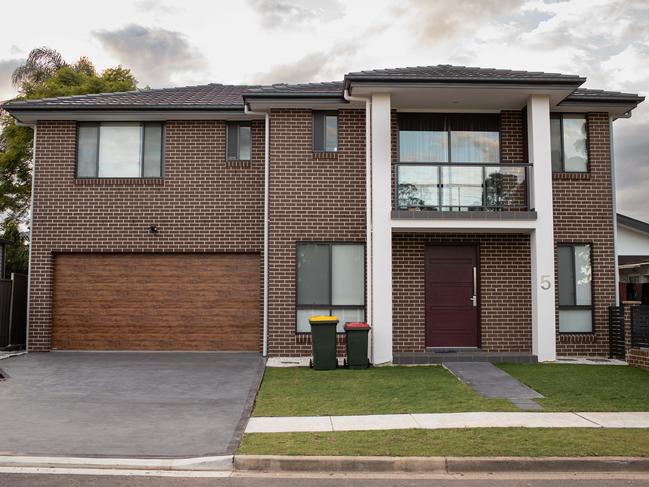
127 404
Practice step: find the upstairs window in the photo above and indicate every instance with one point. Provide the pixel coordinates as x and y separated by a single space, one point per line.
325 131
330 281
575 293
119 150
239 141
459 138
569 142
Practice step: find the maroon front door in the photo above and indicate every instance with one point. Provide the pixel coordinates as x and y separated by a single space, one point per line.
451 296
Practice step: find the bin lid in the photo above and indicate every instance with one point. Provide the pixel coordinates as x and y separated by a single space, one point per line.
356 326
314 320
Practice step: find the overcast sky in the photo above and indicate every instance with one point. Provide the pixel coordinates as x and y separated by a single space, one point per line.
169 43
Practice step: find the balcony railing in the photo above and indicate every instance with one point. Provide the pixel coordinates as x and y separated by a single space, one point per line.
461 186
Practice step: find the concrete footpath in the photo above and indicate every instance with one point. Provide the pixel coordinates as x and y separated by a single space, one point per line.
447 420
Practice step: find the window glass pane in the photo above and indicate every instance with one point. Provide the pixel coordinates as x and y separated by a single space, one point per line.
303 316
555 143
574 143
87 151
152 150
423 146
471 146
245 143
575 320
417 187
462 188
348 274
233 141
583 275
347 316
120 150
331 133
318 131
566 276
313 283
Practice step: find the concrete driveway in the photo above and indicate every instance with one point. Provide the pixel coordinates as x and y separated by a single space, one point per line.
126 404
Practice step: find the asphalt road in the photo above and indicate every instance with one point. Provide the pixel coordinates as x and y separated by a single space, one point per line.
22 480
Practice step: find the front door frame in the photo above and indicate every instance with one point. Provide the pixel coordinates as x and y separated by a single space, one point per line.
476 246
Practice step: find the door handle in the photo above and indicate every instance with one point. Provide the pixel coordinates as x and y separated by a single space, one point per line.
474 298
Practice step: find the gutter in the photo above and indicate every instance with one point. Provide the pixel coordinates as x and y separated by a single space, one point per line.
266 115
368 205
31 228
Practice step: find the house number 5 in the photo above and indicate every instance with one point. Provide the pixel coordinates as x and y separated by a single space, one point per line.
545 282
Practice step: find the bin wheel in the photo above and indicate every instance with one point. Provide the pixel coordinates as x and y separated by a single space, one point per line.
310 363
345 363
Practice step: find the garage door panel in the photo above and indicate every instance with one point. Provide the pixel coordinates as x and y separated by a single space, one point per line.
157 302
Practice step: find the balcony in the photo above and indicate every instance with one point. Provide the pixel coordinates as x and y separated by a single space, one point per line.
435 189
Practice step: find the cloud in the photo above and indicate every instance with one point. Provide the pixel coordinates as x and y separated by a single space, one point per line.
155 55
7 67
276 14
446 20
155 6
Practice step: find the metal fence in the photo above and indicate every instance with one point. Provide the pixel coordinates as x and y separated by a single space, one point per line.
13 311
640 326
616 339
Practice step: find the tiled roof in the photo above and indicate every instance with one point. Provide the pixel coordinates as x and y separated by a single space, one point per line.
446 72
231 97
583 95
204 97
327 89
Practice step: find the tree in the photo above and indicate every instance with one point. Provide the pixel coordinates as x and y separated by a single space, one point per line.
44 74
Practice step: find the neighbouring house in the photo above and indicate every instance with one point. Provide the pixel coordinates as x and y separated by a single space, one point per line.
633 259
456 209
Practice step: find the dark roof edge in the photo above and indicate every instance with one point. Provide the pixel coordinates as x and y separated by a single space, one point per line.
137 108
291 94
627 221
576 81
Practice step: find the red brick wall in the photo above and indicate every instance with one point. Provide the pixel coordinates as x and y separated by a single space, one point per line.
583 213
311 199
203 205
638 357
505 290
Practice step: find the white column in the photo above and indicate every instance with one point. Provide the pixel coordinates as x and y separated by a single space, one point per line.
381 230
542 238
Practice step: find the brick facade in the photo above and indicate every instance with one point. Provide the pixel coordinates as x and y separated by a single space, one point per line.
204 204
313 197
583 213
505 290
638 357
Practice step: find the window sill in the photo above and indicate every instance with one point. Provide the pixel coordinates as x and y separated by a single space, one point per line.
239 163
573 337
325 155
119 182
571 176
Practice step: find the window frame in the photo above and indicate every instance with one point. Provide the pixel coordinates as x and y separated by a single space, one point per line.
238 124
329 306
560 117
325 113
142 125
591 306
449 161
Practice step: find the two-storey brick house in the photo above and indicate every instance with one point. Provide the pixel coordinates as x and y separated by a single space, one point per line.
455 209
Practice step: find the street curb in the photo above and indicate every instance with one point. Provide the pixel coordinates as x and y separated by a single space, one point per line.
447 465
213 463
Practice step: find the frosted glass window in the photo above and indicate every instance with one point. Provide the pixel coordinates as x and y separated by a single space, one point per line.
325 131
348 275
575 320
569 142
575 289
120 150
152 158
87 151
330 281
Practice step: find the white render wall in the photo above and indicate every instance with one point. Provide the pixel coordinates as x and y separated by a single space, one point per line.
542 238
381 230
631 242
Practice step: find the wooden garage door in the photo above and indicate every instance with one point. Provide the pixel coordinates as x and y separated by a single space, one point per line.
157 302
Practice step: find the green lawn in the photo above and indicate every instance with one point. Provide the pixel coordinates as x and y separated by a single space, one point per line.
454 442
300 391
585 387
